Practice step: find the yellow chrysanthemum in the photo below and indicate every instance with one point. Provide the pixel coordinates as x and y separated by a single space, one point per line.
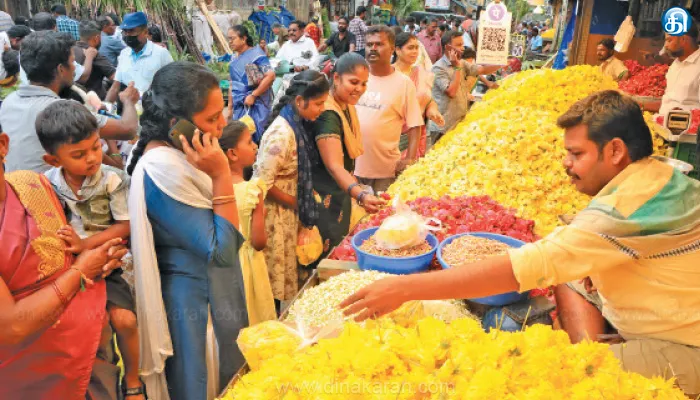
509 147
435 360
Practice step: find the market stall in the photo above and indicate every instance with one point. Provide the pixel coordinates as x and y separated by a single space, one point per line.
648 84
498 172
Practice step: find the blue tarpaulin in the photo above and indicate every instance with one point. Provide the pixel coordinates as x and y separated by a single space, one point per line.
607 16
263 21
561 61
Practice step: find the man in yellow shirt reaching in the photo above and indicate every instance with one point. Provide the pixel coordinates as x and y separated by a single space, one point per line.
638 241
611 65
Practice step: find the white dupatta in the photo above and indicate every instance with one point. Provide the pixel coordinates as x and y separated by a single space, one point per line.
170 171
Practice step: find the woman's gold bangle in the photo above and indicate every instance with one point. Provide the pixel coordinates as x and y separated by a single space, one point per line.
218 200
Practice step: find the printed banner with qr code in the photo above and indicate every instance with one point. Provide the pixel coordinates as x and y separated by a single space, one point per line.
494 35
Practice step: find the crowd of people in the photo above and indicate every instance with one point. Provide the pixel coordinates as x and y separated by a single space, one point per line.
158 247
129 227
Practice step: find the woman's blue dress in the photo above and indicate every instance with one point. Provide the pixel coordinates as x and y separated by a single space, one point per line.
240 89
197 253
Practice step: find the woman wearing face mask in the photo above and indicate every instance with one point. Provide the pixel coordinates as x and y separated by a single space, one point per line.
284 163
337 137
407 51
184 236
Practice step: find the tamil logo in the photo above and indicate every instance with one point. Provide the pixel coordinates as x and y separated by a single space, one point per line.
675 21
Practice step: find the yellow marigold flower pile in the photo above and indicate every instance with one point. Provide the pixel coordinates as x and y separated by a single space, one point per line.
660 146
509 148
437 360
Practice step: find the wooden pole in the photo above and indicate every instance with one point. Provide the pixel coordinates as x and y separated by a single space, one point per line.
219 38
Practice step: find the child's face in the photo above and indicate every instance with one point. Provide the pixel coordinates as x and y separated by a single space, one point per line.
79 159
246 150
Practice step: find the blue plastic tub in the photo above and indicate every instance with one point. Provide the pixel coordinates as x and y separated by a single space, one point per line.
500 299
392 265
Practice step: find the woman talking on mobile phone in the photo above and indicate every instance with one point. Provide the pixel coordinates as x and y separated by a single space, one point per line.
185 239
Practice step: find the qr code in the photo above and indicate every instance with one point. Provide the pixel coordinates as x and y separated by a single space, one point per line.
494 39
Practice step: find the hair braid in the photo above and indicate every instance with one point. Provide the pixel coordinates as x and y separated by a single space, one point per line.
179 90
155 125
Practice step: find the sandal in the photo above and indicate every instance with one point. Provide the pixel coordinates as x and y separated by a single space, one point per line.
141 390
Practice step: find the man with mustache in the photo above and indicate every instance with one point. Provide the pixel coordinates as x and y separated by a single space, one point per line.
638 241
431 40
683 77
609 64
300 51
388 107
358 28
46 80
342 41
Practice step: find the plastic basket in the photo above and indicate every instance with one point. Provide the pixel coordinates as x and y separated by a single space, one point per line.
500 299
686 152
392 265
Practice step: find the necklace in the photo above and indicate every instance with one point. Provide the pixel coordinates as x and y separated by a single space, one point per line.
74 185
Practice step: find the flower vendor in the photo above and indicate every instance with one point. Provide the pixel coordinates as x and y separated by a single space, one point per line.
638 242
683 77
609 64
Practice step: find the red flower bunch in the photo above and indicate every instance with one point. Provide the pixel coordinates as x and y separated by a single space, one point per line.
457 215
645 81
694 122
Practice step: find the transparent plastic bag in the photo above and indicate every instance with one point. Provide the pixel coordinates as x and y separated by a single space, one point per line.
405 228
265 340
248 121
408 314
446 310
309 245
260 343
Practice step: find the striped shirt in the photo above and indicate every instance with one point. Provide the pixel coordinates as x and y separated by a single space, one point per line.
5 21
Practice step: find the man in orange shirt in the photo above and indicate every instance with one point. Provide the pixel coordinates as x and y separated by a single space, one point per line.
388 108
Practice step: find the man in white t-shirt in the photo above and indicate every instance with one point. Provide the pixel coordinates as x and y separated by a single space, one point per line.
11 40
683 77
411 26
299 51
46 22
388 107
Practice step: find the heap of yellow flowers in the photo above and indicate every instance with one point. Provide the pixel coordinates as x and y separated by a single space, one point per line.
509 148
436 360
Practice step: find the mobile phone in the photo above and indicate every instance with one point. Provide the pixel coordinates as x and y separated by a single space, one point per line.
459 51
184 128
